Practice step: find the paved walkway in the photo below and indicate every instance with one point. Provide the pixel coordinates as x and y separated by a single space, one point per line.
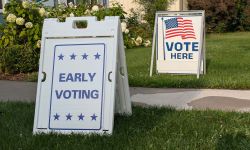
237 100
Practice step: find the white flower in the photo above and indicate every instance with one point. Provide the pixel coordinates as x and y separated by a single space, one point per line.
138 41
42 12
29 25
11 18
25 4
72 15
71 5
20 21
95 8
126 31
64 16
124 26
147 43
87 12
38 44
143 21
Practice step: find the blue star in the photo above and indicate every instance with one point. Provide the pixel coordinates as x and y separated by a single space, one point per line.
97 56
73 56
56 117
68 116
85 56
81 116
93 117
61 57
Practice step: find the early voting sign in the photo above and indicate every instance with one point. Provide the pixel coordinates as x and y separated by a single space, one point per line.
82 77
179 43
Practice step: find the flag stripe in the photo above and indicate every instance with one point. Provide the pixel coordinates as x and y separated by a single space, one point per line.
179 27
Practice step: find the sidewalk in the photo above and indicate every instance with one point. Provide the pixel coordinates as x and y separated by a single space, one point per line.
236 100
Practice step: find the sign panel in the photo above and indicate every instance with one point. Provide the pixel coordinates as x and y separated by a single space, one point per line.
179 42
77 88
79 83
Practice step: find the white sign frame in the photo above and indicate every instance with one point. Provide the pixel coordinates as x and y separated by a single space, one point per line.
116 96
201 69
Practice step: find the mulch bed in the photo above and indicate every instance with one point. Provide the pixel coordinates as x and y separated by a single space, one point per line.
15 77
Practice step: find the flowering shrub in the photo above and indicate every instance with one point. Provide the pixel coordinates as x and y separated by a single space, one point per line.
24 20
23 23
136 30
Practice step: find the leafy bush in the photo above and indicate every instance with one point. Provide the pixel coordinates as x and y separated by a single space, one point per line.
23 23
20 36
18 59
151 6
134 30
223 16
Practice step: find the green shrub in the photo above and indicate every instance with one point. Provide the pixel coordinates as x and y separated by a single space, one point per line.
223 16
20 37
151 6
23 23
19 59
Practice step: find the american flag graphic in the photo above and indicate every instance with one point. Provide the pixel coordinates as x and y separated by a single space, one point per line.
179 27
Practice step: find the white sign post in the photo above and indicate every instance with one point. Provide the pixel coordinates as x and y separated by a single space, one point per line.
179 42
82 77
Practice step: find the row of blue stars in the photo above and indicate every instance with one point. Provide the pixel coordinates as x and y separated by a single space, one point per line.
84 56
80 117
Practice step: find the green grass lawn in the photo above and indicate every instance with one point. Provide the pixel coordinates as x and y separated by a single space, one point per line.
228 65
149 128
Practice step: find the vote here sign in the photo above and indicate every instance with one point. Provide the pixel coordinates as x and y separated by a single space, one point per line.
179 43
77 95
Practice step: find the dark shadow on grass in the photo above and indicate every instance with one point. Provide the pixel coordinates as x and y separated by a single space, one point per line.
208 62
238 141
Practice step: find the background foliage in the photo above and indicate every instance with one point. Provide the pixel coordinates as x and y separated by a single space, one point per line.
224 15
20 36
151 6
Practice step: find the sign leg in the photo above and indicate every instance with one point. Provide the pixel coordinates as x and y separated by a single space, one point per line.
153 48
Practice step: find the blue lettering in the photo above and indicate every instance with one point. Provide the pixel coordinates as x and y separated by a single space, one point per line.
77 94
187 45
78 77
92 76
181 55
62 77
85 94
178 46
173 55
59 95
195 46
83 77
171 47
190 56
67 94
69 78
95 94
178 55
185 56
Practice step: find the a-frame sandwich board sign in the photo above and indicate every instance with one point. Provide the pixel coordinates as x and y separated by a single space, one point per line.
82 77
179 42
